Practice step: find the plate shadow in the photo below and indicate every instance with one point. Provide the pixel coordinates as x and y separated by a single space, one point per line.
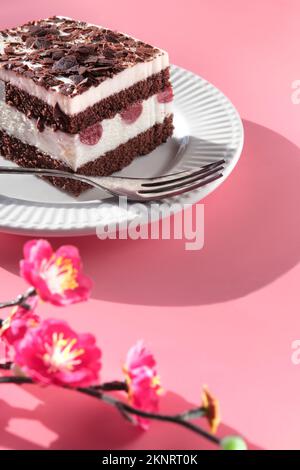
252 237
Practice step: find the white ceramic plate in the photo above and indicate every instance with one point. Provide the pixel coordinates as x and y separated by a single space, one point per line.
207 128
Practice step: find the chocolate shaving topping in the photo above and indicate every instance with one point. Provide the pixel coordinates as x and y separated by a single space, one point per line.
41 43
49 50
92 59
48 61
9 50
56 55
40 124
65 63
29 41
83 50
37 30
77 78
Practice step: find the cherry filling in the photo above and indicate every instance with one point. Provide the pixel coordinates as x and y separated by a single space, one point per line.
92 134
166 95
132 113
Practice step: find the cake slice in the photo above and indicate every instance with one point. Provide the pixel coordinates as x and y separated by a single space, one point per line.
80 97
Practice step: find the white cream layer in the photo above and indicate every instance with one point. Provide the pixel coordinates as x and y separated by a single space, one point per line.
68 148
78 103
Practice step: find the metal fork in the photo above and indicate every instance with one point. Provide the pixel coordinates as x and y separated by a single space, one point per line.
136 189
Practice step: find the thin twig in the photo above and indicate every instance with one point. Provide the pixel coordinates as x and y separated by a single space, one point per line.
125 408
111 386
6 365
106 386
16 380
193 414
20 300
144 414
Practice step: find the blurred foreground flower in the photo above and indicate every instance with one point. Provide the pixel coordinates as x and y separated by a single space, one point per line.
54 353
143 383
21 318
56 276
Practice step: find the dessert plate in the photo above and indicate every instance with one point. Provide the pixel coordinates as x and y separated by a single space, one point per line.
207 128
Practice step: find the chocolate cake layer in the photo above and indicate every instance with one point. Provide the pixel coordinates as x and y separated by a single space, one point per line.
107 108
30 157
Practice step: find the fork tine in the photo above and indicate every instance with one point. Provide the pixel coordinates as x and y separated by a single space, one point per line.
181 175
148 195
170 185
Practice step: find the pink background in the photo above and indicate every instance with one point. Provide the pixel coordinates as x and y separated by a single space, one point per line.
225 315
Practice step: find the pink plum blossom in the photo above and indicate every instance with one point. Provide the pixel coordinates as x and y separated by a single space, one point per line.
15 326
54 353
143 382
56 276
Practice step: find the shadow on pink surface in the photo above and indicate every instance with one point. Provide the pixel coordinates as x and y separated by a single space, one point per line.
252 232
64 420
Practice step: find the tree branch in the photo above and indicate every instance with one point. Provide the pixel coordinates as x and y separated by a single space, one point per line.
20 300
126 409
111 386
16 380
177 419
6 365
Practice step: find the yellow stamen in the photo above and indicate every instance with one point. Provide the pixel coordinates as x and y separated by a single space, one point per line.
60 355
157 384
7 322
60 274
